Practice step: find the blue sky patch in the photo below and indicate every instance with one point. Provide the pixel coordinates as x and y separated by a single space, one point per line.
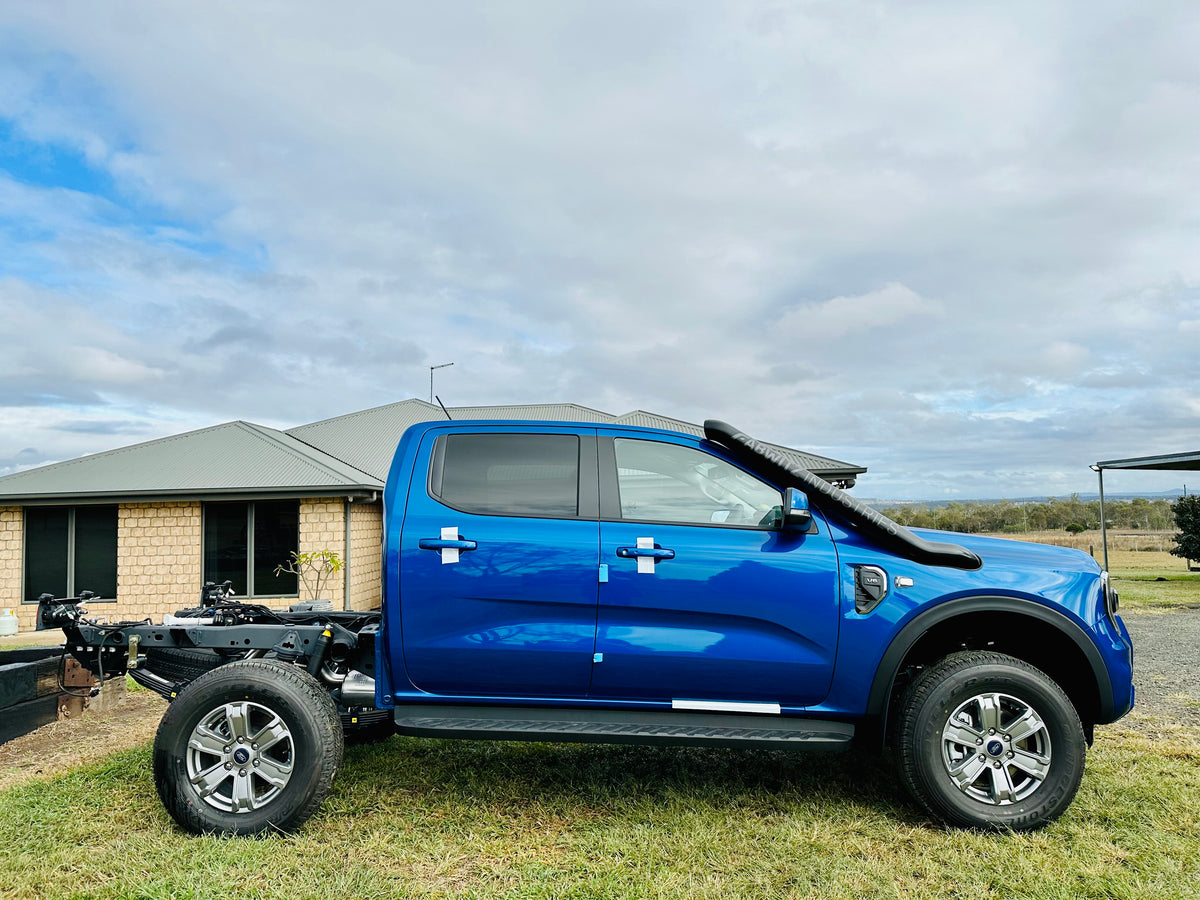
51 165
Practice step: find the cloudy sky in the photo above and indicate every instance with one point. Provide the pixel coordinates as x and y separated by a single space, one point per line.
958 245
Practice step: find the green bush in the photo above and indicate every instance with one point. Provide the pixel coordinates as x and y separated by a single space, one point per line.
1075 528
1187 519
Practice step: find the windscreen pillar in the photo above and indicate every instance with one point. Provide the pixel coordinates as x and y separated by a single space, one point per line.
1099 470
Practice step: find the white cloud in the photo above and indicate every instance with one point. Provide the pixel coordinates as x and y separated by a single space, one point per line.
860 316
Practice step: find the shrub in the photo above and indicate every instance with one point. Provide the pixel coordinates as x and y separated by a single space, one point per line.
1075 528
1187 518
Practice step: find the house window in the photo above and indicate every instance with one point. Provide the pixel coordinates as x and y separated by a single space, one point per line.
244 542
69 549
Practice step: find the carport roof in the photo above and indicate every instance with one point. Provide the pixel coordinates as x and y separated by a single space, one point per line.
1189 462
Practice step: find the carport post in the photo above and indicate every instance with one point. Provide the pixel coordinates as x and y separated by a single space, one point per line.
1099 470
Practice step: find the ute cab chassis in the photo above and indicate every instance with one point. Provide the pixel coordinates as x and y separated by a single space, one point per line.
569 582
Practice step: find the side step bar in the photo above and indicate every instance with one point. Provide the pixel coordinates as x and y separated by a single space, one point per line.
607 726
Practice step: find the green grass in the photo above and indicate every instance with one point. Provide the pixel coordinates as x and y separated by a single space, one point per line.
1153 581
425 818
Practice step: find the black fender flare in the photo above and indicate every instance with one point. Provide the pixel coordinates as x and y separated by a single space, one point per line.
902 643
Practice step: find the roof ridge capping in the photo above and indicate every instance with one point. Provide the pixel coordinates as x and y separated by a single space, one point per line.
299 448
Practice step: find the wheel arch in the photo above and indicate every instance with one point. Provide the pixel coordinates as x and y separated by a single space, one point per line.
1040 636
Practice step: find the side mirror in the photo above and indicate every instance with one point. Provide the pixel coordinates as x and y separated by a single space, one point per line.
796 515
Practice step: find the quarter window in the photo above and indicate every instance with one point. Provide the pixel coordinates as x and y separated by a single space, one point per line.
508 474
661 482
70 549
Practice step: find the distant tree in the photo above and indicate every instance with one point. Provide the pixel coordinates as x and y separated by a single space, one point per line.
1187 519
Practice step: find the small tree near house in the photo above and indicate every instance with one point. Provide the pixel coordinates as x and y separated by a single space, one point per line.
313 570
1187 519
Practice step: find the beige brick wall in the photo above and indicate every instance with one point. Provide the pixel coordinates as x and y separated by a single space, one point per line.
366 555
159 565
12 535
323 527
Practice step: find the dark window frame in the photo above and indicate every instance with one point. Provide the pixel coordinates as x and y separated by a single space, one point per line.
71 560
251 542
587 490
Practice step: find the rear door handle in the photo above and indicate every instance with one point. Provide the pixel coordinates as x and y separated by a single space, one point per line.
645 552
445 544
450 544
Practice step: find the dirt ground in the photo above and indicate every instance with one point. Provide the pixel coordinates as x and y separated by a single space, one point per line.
61 746
1166 676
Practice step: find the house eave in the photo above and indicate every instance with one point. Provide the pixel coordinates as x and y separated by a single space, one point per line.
354 492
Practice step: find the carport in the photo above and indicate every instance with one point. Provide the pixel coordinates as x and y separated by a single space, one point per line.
1186 462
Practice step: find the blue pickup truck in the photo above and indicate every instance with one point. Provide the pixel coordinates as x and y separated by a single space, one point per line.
573 582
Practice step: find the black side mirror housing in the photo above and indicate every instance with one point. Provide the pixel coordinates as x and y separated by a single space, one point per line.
796 514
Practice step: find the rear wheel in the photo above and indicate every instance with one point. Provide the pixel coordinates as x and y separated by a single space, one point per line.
988 741
247 748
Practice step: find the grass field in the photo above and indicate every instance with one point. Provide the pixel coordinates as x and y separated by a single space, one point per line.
426 818
1146 578
432 818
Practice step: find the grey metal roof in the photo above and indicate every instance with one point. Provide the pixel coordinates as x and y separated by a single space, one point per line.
349 453
1187 462
536 412
233 458
367 439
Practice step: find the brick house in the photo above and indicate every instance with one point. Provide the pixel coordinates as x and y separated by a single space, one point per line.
144 526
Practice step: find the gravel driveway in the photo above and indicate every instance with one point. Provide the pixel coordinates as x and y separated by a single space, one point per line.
1166 663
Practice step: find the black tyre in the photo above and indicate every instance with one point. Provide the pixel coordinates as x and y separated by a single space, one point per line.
249 747
988 741
182 665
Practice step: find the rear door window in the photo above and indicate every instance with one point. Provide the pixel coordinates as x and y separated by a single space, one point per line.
528 475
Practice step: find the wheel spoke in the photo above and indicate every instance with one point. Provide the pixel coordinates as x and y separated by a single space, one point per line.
960 734
1025 726
238 716
210 779
243 793
967 773
989 711
271 734
274 772
1033 764
207 741
1003 790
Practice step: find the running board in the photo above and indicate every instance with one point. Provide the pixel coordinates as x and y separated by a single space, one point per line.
608 726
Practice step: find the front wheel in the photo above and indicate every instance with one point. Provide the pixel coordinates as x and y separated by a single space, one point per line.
988 741
249 747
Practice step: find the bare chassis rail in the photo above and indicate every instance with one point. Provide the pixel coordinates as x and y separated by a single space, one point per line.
316 638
